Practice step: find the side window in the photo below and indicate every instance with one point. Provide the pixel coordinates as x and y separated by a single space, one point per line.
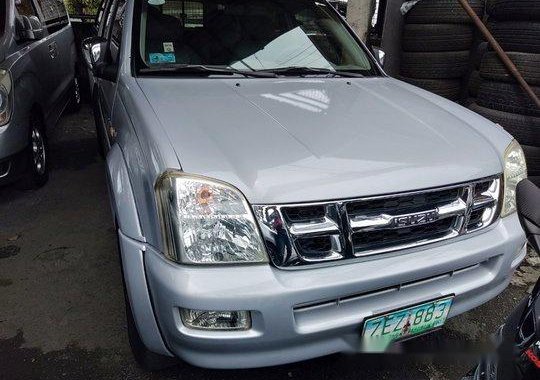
53 14
118 23
114 24
100 14
25 8
105 27
103 17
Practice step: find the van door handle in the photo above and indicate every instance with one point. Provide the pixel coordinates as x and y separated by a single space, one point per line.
53 49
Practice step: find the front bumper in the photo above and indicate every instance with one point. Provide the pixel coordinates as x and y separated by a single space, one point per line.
12 167
302 314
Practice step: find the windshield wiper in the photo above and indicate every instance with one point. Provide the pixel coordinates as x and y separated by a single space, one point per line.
300 70
204 70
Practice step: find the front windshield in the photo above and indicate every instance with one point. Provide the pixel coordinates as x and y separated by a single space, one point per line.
248 35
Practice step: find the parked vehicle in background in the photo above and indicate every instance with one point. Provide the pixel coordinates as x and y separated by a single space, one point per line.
37 82
278 197
518 340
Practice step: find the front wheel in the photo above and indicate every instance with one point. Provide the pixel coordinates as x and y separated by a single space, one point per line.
37 173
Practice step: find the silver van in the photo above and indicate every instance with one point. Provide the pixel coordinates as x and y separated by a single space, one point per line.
278 197
37 82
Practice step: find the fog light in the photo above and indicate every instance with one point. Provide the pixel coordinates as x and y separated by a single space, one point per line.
216 320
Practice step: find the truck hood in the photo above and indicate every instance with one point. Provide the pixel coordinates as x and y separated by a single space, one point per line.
297 140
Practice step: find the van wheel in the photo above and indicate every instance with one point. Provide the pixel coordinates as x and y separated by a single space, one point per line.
147 360
37 173
75 100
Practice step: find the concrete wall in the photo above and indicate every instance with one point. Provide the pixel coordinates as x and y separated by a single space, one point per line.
359 13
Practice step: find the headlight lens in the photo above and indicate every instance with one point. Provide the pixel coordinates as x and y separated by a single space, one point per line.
515 170
207 221
5 97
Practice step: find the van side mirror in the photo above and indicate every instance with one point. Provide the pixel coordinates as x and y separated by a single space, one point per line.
29 28
379 54
96 58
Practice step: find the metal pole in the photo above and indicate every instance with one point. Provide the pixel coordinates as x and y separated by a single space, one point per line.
500 52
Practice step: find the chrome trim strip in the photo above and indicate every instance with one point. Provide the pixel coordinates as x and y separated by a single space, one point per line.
452 234
370 223
325 226
457 207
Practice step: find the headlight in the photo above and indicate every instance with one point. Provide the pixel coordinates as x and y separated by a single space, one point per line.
5 97
206 221
515 170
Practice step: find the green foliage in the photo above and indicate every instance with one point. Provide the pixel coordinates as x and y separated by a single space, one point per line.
82 7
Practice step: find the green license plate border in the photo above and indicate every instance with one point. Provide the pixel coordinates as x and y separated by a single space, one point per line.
407 337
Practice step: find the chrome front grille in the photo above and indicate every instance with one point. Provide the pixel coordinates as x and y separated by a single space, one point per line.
302 234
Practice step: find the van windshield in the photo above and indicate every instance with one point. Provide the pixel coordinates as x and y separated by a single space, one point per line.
248 36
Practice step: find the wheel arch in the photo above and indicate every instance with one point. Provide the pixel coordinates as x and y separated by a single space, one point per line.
123 205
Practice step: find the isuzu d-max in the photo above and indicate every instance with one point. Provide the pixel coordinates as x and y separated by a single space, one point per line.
278 197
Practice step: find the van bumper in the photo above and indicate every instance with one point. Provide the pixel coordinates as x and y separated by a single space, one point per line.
307 313
13 167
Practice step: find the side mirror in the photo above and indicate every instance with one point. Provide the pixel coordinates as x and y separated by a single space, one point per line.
96 58
379 54
94 49
29 28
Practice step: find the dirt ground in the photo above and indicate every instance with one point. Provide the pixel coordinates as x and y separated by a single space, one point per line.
61 302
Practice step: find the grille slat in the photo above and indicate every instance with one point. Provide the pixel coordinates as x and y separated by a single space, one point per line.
376 240
302 234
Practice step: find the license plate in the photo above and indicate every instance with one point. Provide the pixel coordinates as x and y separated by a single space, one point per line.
382 330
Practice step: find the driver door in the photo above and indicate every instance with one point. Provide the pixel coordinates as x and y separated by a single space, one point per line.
106 89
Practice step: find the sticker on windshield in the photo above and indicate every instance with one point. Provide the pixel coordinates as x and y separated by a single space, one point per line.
162 58
168 47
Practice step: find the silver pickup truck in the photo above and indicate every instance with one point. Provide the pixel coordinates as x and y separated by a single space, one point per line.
278 197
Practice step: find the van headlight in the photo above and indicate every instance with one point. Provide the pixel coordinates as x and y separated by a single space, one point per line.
515 170
206 221
5 97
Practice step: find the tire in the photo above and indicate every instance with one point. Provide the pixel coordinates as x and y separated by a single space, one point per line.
475 80
441 65
147 360
75 100
526 129
37 173
515 10
493 69
448 88
437 37
507 97
532 154
478 54
517 36
442 11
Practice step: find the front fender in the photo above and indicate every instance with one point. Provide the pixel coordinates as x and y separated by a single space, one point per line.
121 195
132 248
